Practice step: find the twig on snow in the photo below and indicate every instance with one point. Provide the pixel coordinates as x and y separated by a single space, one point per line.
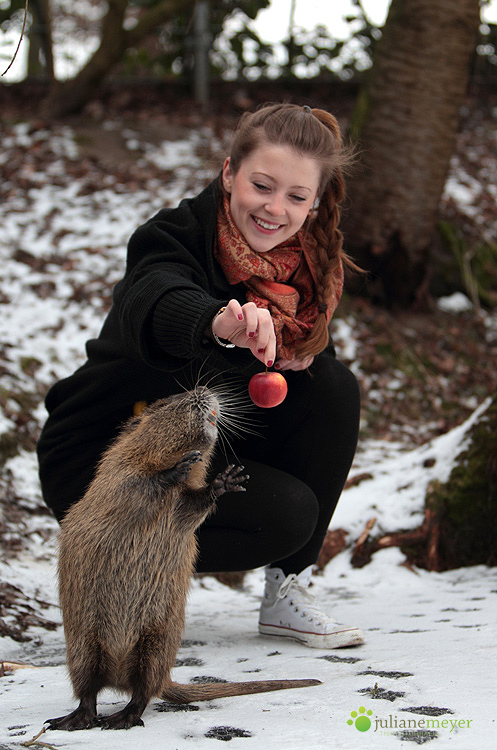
36 741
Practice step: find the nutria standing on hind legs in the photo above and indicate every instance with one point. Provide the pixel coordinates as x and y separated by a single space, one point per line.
127 553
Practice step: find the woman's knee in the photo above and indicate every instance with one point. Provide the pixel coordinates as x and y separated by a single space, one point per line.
278 518
282 510
293 519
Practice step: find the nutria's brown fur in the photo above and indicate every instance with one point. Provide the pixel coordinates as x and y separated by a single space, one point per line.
127 552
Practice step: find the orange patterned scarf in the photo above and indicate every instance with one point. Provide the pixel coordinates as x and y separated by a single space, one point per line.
281 280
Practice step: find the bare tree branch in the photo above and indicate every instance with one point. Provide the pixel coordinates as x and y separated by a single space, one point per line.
20 40
155 16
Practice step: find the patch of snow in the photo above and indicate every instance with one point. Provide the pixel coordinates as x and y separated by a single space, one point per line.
464 195
455 303
344 340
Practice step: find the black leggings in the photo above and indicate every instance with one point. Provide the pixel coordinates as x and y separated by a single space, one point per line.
298 466
298 463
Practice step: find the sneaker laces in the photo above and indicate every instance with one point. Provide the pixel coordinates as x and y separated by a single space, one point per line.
303 598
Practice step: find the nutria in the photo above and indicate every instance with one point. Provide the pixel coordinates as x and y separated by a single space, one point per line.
127 552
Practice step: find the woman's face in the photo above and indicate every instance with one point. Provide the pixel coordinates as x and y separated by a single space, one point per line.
271 194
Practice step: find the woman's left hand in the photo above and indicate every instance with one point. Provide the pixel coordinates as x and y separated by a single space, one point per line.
293 364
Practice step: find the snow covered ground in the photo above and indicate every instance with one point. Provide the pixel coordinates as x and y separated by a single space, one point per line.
426 671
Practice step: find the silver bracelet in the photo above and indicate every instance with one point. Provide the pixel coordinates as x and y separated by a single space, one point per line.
222 342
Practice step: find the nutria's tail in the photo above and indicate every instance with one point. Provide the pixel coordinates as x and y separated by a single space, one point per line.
207 691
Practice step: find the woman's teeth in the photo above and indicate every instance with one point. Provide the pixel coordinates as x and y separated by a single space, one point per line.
264 224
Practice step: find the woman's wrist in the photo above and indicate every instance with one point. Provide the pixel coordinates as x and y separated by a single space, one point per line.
225 343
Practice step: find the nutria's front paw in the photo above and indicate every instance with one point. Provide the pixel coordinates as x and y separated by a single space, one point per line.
229 480
187 460
181 470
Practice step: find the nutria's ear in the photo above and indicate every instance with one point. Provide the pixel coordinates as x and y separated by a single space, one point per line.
157 405
139 407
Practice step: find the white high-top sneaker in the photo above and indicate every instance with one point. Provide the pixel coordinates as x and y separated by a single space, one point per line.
289 610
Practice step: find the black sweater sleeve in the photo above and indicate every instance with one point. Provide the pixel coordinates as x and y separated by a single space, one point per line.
173 288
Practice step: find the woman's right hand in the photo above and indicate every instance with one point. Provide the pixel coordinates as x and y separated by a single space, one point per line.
249 327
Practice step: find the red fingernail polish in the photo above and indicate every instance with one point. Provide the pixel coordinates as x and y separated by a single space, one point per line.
251 334
269 363
260 351
240 317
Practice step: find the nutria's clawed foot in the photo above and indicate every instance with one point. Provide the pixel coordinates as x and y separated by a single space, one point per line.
121 720
78 719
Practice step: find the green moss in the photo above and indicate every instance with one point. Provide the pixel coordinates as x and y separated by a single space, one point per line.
485 271
385 350
473 265
466 506
83 139
29 365
9 446
27 402
360 114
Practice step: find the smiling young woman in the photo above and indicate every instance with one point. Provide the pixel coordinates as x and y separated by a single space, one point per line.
246 274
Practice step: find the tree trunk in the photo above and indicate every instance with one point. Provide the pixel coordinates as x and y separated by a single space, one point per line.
70 96
405 123
40 55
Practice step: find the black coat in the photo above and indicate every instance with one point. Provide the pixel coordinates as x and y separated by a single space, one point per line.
153 341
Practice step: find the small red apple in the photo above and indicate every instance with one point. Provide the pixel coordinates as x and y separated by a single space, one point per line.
267 389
